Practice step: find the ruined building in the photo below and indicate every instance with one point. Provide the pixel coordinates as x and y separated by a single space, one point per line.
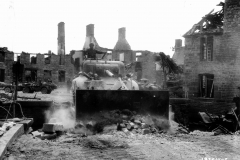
43 67
141 63
212 54
6 62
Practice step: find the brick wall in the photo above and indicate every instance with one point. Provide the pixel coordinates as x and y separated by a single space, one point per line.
226 57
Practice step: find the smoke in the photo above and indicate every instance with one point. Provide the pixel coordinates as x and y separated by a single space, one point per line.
61 113
173 125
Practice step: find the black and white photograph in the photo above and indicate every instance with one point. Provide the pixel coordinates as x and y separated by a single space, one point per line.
119 79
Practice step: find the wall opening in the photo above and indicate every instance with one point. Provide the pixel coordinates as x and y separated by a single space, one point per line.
33 60
47 75
47 59
138 69
2 57
138 55
206 85
61 76
2 75
206 46
30 75
121 57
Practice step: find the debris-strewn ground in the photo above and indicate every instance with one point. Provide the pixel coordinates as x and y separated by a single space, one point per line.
121 144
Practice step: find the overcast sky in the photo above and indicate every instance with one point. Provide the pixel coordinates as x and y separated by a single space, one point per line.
31 25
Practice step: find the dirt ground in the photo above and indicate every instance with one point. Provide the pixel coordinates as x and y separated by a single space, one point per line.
119 145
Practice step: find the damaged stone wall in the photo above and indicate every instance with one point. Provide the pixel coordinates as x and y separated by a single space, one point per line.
149 68
53 67
225 63
6 65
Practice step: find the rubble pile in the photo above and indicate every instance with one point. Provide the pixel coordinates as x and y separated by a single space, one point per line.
122 120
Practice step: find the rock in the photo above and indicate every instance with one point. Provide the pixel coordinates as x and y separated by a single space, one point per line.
129 127
125 130
125 117
153 130
48 136
36 134
48 128
109 128
134 112
145 131
136 126
132 124
79 125
144 125
134 131
122 125
137 121
89 125
52 127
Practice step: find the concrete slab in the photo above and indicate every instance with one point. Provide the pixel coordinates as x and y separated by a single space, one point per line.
26 123
11 135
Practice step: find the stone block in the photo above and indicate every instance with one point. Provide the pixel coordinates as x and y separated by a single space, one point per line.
137 121
145 131
52 127
125 130
48 136
144 125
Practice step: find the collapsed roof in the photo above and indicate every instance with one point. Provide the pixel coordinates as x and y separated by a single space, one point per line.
212 23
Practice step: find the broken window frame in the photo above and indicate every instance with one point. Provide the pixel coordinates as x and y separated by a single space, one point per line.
206 85
206 48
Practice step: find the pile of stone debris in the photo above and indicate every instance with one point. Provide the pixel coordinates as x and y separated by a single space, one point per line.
110 121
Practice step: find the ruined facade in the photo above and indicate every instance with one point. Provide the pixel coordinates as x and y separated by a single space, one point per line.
42 66
6 62
47 66
212 54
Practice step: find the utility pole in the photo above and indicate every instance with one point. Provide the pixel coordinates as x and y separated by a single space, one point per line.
17 72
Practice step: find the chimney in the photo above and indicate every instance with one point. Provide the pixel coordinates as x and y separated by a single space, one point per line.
61 38
90 30
122 33
178 43
90 37
122 43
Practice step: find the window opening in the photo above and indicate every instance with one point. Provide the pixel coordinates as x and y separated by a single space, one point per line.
206 85
61 76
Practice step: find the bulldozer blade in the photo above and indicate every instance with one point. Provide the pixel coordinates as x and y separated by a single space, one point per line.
92 101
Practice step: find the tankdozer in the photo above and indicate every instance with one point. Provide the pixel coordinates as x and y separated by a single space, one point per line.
104 85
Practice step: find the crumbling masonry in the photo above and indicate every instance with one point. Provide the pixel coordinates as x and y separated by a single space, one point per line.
212 54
